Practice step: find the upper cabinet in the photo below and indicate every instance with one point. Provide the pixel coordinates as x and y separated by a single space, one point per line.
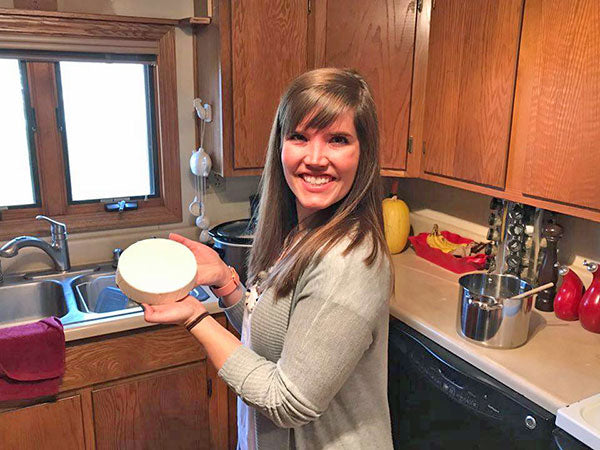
244 61
471 69
377 39
500 97
556 126
269 49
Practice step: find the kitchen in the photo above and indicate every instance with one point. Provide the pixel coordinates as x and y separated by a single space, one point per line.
533 146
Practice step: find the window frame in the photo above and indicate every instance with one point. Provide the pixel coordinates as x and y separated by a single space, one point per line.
95 36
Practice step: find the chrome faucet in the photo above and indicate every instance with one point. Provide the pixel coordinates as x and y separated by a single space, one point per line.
58 250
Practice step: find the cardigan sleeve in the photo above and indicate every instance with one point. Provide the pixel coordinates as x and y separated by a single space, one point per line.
332 325
235 312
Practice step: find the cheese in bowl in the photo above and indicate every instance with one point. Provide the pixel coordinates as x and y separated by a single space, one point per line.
156 271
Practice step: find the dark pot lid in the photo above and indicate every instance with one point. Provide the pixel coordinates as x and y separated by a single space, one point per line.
234 232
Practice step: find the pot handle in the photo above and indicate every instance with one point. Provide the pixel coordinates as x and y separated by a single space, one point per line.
485 306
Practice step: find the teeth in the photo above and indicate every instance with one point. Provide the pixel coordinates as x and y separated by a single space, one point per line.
316 180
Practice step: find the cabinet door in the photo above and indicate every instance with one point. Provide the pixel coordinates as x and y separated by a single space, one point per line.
377 39
556 136
47 425
473 48
269 49
160 411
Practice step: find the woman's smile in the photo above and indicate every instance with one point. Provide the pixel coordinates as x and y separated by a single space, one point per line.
320 165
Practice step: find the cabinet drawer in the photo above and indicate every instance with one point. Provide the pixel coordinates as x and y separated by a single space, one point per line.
113 358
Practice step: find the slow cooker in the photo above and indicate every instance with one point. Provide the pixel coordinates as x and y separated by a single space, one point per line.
233 241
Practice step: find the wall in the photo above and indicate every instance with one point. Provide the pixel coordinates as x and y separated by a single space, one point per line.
223 204
467 213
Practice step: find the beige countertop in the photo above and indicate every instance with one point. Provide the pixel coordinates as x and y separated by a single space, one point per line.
559 364
124 322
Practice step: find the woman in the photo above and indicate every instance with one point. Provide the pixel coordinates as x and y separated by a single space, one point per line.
311 369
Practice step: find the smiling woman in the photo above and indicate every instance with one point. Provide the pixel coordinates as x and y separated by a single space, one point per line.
311 367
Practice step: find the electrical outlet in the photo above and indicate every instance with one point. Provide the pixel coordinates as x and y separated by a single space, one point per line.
216 181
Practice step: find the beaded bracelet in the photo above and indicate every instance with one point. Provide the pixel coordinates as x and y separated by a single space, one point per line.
196 321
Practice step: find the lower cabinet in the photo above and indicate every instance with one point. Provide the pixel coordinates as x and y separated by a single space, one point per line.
148 389
48 425
157 412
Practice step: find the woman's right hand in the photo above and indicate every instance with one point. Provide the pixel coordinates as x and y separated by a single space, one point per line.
212 271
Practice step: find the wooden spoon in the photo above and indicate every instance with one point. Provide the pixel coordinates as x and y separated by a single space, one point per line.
532 291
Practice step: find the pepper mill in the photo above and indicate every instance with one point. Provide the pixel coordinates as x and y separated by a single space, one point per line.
548 272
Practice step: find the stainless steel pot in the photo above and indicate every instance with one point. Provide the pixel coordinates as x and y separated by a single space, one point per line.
233 241
486 313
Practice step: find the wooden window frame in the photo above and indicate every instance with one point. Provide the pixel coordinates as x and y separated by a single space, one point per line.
103 36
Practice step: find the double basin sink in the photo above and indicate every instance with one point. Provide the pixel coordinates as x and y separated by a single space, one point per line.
76 296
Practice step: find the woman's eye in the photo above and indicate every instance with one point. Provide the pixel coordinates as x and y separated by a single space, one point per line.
296 137
339 139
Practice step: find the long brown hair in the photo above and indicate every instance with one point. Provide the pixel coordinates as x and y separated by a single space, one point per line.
320 95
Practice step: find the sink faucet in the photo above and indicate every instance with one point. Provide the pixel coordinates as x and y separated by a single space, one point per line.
58 250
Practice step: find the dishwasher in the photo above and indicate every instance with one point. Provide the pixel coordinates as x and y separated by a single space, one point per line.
439 401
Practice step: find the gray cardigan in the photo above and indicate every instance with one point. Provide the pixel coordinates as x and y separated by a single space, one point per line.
317 367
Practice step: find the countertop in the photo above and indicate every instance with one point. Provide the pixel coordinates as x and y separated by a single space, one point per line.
559 364
124 322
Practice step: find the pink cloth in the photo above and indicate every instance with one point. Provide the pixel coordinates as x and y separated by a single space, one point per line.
32 359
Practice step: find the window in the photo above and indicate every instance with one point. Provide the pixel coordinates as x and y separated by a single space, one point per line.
88 118
107 125
18 184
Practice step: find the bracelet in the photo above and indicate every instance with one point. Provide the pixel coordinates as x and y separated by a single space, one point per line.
231 286
196 321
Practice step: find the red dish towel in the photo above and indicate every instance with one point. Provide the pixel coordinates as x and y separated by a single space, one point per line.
32 359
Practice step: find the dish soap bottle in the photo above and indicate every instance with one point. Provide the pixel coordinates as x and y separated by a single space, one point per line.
589 308
568 297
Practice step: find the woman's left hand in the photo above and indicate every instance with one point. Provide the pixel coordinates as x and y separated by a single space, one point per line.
180 312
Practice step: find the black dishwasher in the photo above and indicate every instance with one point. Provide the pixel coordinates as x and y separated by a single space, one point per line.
439 401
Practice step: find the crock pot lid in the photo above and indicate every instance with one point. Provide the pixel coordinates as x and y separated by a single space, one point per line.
236 230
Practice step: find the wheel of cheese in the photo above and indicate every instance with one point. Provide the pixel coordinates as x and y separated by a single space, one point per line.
156 271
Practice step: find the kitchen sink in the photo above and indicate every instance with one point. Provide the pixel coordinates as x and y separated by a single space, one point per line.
31 301
97 293
75 296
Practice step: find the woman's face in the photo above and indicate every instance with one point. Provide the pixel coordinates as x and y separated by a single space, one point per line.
320 165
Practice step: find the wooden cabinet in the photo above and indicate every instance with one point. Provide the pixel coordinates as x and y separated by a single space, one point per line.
556 126
472 62
269 45
244 61
536 145
47 425
160 411
377 39
144 389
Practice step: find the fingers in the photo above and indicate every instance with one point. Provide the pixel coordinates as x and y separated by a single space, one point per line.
199 250
176 313
194 246
182 240
157 313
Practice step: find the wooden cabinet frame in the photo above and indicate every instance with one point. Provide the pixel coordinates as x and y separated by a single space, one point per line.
64 31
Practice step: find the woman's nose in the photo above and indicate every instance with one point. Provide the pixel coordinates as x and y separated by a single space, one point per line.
316 154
